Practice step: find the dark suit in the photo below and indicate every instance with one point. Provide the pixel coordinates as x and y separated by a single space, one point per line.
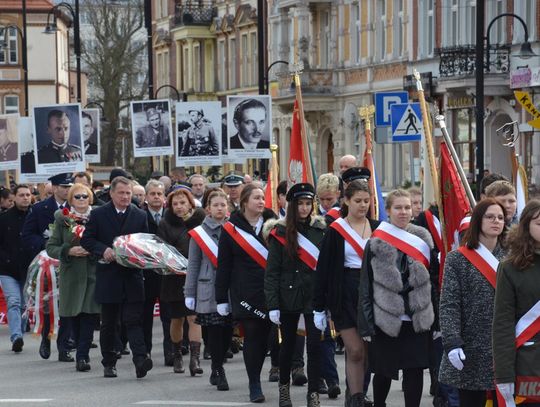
237 144
147 137
119 290
90 148
152 286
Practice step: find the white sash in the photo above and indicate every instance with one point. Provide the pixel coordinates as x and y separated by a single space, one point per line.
408 243
205 242
528 325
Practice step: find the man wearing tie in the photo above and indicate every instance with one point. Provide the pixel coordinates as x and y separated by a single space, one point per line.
155 198
118 289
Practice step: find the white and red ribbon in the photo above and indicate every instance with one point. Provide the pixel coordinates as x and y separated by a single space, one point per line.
408 243
528 325
483 260
464 224
248 243
206 243
334 213
307 251
434 226
351 236
47 273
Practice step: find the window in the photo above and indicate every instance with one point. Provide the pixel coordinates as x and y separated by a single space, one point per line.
185 68
221 63
526 9
398 29
197 68
381 30
254 59
464 131
11 104
427 28
245 61
454 22
356 39
8 54
324 38
232 63
497 32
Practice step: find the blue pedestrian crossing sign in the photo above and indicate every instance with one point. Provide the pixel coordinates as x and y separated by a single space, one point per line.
406 122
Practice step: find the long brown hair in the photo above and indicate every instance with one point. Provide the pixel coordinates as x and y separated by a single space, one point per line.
471 239
522 245
291 226
246 193
358 185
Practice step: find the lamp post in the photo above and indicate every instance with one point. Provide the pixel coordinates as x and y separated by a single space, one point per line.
184 95
51 28
5 44
525 52
267 77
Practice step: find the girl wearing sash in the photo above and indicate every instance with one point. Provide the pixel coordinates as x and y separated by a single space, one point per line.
288 285
395 308
200 284
180 217
240 280
337 277
516 323
466 306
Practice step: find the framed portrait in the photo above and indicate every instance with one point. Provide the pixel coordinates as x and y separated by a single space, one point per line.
249 121
90 124
58 139
198 133
9 142
27 158
151 128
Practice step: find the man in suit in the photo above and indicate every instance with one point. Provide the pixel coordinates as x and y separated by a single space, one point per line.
119 290
59 149
154 134
89 134
35 233
250 121
155 199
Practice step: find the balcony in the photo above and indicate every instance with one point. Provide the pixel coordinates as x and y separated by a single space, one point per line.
195 13
460 60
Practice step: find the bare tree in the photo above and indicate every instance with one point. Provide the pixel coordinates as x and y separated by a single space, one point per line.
113 52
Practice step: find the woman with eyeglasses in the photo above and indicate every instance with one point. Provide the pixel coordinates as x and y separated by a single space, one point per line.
77 271
466 305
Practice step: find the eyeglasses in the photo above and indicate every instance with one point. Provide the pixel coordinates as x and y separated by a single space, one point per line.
80 196
494 218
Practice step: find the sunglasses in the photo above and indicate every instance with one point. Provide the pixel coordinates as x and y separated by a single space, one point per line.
80 196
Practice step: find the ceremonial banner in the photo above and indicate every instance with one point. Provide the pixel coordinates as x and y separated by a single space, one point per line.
151 128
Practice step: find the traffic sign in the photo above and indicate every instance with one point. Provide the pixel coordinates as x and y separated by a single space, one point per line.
383 102
406 122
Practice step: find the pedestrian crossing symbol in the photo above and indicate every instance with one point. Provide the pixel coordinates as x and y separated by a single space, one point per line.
406 122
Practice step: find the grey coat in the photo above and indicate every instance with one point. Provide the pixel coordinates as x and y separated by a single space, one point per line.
466 315
201 274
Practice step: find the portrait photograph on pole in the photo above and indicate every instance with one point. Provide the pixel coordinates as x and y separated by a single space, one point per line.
91 135
9 146
198 134
248 126
27 158
58 140
151 126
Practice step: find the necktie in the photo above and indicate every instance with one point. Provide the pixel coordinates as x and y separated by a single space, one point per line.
157 218
120 216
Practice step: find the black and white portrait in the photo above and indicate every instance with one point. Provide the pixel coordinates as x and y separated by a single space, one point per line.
151 128
249 119
91 134
9 146
58 140
198 133
27 158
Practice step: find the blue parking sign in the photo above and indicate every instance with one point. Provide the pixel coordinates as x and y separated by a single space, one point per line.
383 103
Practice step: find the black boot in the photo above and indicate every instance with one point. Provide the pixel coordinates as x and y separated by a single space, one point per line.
178 363
194 362
284 395
214 377
357 400
313 399
222 383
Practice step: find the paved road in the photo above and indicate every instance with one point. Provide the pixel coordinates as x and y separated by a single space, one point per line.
27 380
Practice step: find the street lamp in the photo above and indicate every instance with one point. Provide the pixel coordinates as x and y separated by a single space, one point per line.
52 28
4 44
267 76
184 95
525 52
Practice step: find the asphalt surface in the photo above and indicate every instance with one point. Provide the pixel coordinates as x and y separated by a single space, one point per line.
28 380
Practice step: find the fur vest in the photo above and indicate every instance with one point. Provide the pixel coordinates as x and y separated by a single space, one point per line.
389 301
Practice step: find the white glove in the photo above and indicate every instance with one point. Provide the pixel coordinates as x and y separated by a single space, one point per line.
456 357
507 391
274 316
319 319
366 338
223 309
190 303
437 334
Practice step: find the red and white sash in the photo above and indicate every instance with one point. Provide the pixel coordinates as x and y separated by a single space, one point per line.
434 226
408 243
248 243
464 224
307 251
206 243
528 325
334 213
350 236
483 260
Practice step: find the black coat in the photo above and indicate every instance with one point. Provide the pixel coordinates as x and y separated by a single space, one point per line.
114 283
152 280
14 259
238 276
329 274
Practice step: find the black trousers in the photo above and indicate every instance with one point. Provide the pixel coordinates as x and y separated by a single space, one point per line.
289 325
274 345
256 333
148 324
83 333
131 316
413 382
65 332
219 341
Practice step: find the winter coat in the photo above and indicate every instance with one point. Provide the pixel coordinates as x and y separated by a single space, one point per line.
289 282
14 260
393 284
239 278
330 269
76 275
174 230
466 317
201 273
517 292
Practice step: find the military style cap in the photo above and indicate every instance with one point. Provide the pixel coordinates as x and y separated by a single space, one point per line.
200 111
233 180
151 112
63 179
356 173
302 190
181 185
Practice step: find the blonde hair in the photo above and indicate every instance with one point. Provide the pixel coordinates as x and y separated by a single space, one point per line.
415 191
500 188
327 183
86 190
393 195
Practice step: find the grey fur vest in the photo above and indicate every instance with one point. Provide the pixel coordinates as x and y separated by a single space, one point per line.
388 300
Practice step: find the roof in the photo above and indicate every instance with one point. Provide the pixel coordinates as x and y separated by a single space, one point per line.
31 5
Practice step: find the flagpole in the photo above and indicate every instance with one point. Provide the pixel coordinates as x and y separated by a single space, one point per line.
274 177
365 113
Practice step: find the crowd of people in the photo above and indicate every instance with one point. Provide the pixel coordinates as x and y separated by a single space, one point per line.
317 273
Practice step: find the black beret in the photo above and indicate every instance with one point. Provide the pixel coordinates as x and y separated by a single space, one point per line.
356 173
